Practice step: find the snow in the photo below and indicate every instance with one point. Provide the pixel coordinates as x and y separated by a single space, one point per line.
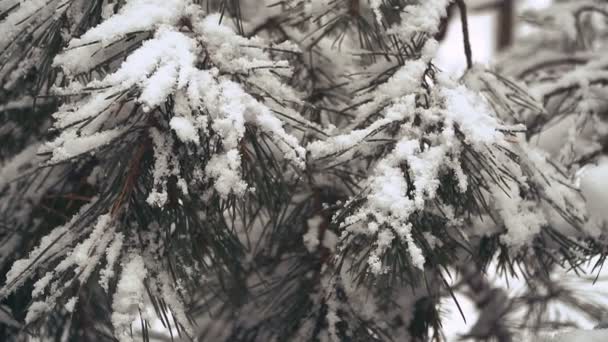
82 259
41 284
86 254
559 192
20 103
173 301
426 154
468 121
375 6
163 167
70 304
9 170
579 77
330 240
404 82
134 16
69 144
128 299
388 202
225 169
332 319
241 87
35 310
156 88
424 17
113 252
168 65
55 243
156 67
512 100
6 317
389 190
70 114
23 16
472 114
402 108
185 130
311 237
520 217
594 186
599 335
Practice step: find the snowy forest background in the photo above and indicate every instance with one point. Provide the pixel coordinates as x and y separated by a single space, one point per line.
303 170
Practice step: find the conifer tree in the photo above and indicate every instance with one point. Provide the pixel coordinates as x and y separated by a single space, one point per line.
288 170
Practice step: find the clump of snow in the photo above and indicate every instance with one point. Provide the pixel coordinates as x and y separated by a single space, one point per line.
594 186
395 192
512 100
83 259
35 310
168 65
405 81
70 304
184 129
86 255
402 108
311 237
134 16
375 6
225 170
112 255
520 217
41 284
158 67
473 116
128 299
69 144
162 167
406 180
422 17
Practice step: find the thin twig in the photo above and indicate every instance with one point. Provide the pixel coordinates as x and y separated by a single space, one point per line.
465 32
130 182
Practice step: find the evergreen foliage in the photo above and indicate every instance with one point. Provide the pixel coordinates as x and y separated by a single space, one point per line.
290 170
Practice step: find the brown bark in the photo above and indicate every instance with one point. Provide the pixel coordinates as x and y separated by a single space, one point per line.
506 13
